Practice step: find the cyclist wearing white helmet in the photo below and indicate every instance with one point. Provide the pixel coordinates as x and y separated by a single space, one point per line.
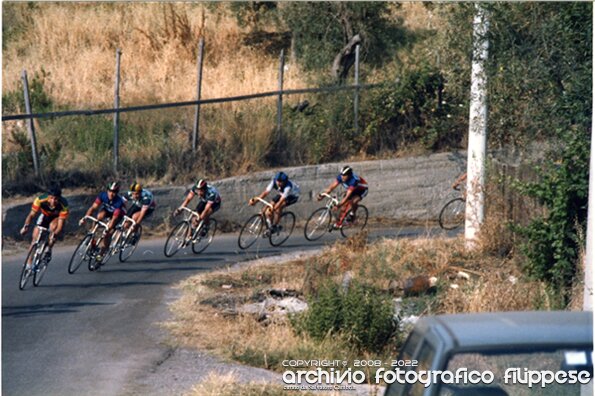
289 193
356 188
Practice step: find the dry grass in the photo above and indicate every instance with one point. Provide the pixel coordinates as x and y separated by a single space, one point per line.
226 385
159 46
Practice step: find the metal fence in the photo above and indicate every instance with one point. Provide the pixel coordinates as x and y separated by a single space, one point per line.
117 110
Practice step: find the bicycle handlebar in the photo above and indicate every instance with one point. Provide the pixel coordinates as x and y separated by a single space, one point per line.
189 210
129 219
264 202
333 199
93 219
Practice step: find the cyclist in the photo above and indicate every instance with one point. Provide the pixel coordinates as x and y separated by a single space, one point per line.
356 189
142 203
54 212
461 181
209 201
289 193
111 207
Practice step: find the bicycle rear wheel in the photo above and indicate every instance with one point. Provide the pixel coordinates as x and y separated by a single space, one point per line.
203 241
318 224
176 239
129 245
284 229
357 223
80 255
42 266
250 231
26 273
452 214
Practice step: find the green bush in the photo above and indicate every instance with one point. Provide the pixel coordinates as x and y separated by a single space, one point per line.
362 314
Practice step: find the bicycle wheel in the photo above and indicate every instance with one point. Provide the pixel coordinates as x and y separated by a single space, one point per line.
176 239
130 243
357 224
26 273
42 266
284 229
203 241
452 214
80 254
318 224
250 231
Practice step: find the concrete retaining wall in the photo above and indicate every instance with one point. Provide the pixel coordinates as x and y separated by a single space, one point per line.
403 189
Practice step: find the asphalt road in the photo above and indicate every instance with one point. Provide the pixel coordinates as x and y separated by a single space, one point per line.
96 333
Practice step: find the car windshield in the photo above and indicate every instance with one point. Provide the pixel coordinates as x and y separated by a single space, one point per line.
510 369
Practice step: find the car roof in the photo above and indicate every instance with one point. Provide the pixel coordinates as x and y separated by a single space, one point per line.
500 330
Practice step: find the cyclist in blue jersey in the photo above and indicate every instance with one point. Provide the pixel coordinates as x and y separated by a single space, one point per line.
289 193
356 188
142 202
209 201
111 208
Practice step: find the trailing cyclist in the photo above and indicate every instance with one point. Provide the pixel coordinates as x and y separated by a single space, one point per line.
142 202
356 189
54 212
111 208
209 201
289 193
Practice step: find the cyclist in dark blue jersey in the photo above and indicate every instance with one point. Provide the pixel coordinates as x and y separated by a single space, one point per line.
111 208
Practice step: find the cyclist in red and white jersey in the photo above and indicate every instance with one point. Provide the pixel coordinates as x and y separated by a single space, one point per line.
356 189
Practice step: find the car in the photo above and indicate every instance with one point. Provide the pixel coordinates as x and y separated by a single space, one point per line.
503 353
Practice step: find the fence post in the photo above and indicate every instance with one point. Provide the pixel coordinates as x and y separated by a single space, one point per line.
201 47
356 94
280 98
117 113
30 125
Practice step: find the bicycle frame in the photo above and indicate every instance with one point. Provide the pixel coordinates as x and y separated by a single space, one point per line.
189 218
266 206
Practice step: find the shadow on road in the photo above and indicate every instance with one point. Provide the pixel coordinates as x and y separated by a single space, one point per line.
42 309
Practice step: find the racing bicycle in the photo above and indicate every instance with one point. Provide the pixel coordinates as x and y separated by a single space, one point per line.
184 234
90 246
452 215
322 220
261 224
40 259
125 239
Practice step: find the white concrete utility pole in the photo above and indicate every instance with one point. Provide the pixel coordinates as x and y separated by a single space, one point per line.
478 121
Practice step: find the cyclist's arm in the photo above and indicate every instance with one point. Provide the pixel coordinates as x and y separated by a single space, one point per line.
93 208
29 218
261 196
204 211
143 212
186 200
59 226
332 186
347 196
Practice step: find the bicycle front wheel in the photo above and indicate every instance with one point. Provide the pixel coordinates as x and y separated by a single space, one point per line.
26 273
80 255
205 236
452 214
176 239
42 266
130 242
250 231
318 224
356 223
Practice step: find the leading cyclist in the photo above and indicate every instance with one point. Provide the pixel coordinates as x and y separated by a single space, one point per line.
356 189
54 212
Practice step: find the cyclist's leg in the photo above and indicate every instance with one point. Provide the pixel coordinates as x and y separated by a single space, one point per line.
277 211
34 236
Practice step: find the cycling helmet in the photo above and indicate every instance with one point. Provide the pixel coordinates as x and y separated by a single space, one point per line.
136 187
55 191
201 184
114 186
346 171
281 176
